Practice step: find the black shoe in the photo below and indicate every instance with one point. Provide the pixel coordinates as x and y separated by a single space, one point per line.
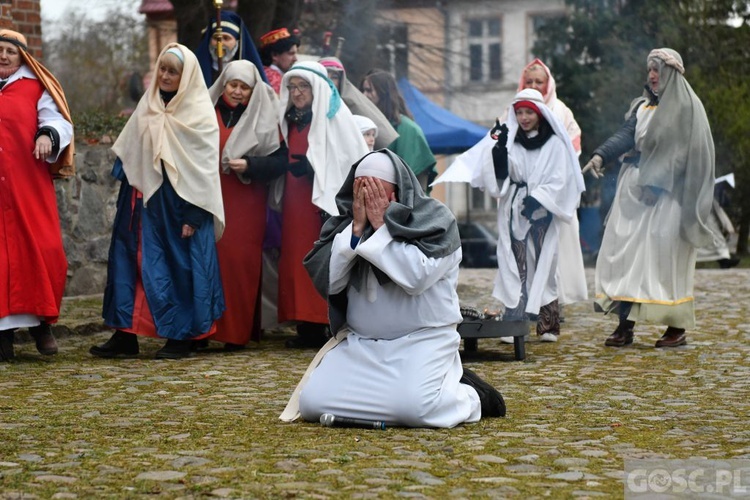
45 341
728 263
305 342
6 345
120 345
492 401
309 336
198 345
229 347
175 349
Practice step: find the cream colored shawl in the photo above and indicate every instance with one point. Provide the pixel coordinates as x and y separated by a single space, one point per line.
257 131
183 136
335 143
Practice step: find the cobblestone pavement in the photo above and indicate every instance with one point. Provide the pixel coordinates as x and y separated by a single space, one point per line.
72 426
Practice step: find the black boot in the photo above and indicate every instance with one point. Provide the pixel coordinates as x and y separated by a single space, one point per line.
175 349
490 398
45 341
120 345
310 336
6 345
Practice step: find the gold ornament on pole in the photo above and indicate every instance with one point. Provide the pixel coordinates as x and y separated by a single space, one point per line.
218 34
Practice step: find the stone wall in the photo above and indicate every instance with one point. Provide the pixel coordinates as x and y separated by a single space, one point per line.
87 204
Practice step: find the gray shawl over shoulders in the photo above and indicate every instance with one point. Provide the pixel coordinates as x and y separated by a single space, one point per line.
415 218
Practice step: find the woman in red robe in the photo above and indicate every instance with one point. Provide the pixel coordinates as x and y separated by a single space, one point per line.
251 155
324 142
35 146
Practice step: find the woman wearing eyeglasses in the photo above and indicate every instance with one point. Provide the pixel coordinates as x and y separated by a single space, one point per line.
324 142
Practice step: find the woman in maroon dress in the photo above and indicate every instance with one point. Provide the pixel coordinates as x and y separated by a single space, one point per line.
251 155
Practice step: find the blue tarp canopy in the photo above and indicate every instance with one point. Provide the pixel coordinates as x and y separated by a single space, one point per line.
446 133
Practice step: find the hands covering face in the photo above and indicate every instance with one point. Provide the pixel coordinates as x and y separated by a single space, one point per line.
370 202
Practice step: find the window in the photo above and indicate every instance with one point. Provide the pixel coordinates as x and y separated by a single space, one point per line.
485 55
393 49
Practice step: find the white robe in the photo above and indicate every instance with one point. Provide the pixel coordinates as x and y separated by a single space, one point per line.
555 189
643 259
571 276
719 223
399 363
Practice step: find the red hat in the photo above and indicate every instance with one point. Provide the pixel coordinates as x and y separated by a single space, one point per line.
277 42
274 36
527 104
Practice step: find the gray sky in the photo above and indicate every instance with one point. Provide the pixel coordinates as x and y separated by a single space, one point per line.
54 10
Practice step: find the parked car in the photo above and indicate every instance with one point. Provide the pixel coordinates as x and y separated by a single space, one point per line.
478 245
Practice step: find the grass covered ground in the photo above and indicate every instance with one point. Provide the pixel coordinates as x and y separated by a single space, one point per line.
72 426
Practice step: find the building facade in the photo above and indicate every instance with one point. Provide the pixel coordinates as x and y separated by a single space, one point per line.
466 56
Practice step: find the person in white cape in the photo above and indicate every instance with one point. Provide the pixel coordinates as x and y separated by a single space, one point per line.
571 277
532 168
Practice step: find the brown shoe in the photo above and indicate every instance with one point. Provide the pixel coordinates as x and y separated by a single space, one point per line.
45 341
673 337
622 336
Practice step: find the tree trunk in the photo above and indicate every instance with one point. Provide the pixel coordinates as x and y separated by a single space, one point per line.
192 16
259 16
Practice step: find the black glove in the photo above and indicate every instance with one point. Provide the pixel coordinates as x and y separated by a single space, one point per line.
500 133
500 150
300 167
529 206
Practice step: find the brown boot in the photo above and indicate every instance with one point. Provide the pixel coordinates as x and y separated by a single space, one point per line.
622 336
672 337
45 341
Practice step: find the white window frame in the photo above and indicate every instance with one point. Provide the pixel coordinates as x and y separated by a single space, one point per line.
485 42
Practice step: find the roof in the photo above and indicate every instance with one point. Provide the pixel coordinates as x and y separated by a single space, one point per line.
446 133
156 7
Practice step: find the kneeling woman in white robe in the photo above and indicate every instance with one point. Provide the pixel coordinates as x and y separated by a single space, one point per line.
389 265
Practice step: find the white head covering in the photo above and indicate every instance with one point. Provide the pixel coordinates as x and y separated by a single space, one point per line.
183 135
257 131
556 105
335 142
377 165
365 124
572 170
476 166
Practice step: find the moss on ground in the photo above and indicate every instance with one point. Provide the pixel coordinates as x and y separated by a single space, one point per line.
72 425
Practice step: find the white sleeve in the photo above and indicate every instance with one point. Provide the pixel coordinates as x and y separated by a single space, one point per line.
342 261
405 263
49 116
